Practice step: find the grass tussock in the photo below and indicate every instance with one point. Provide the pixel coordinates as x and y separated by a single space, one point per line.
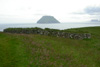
32 50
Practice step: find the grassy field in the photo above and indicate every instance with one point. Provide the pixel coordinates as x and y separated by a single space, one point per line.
29 50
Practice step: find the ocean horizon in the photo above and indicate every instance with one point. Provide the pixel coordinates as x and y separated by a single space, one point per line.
60 26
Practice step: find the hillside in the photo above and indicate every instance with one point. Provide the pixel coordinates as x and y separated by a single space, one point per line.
32 50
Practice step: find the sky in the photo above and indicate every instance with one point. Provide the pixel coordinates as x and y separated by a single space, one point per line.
30 11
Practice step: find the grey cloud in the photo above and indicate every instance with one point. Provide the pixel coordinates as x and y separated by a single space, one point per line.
80 13
3 15
7 16
24 8
92 10
38 14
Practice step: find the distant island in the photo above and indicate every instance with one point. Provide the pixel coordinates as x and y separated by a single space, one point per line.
47 19
95 20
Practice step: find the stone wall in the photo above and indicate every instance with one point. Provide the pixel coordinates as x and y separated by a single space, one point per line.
65 34
49 32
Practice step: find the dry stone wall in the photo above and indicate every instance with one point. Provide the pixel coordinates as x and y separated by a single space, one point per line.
49 32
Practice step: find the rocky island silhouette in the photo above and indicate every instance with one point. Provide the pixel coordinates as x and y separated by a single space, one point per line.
47 19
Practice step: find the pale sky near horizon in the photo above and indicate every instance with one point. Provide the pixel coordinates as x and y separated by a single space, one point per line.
30 11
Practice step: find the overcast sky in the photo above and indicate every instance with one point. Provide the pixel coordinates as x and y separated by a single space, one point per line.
30 11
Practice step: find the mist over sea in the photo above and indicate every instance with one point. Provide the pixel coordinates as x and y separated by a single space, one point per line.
60 26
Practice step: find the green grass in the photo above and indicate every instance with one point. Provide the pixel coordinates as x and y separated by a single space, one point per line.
29 50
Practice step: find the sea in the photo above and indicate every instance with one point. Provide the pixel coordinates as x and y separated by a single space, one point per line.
60 26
